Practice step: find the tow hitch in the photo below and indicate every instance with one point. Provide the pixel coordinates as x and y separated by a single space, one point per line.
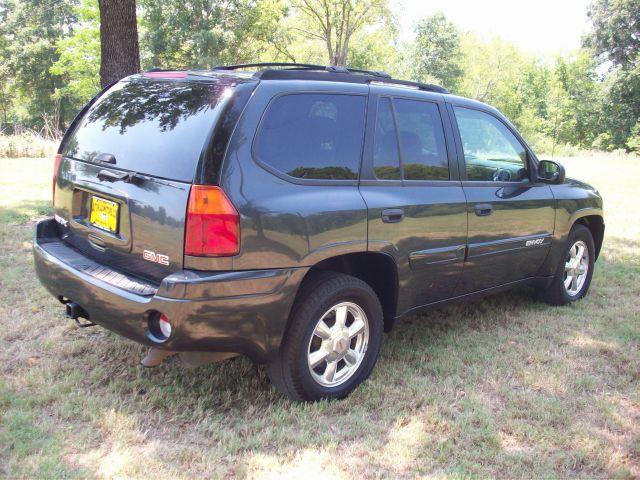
76 312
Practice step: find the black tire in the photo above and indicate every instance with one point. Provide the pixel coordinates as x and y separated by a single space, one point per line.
557 294
290 372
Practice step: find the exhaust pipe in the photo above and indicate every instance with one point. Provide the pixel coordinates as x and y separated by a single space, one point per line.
75 311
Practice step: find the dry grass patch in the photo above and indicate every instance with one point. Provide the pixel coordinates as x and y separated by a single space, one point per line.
505 387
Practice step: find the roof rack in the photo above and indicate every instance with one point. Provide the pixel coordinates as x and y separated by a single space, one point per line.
303 66
306 71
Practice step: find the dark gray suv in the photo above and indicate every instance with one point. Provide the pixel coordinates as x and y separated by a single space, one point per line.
294 213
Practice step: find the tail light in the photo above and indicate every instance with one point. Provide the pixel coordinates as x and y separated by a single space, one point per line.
56 167
213 223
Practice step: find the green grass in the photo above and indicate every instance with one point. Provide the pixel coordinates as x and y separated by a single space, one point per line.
503 387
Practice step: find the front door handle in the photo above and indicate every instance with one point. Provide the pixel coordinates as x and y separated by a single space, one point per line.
483 209
392 215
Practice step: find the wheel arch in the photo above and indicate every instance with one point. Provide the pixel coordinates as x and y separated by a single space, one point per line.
595 224
376 269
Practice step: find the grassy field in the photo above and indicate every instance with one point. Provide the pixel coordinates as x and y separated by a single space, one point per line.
505 387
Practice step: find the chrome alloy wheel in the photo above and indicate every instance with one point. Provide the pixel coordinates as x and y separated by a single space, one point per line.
338 344
576 268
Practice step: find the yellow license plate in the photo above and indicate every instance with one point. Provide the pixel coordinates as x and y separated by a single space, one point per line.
104 214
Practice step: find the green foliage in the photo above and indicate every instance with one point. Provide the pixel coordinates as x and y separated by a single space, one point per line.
334 23
634 140
616 39
32 29
436 52
205 33
620 106
616 31
376 49
50 55
553 103
79 56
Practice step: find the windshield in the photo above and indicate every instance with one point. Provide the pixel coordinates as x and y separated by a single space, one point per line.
154 127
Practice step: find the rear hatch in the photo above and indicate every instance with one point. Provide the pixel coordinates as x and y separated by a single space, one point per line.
126 170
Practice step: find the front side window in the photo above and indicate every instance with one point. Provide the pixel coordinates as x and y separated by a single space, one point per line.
313 136
491 151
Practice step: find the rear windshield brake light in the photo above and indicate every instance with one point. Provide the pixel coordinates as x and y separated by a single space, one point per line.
168 74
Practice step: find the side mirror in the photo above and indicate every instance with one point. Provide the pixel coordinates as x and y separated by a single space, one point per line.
550 172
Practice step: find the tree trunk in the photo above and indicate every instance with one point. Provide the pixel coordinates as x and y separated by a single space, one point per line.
118 40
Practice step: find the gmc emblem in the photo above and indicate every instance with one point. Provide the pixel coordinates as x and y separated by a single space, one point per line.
537 241
155 257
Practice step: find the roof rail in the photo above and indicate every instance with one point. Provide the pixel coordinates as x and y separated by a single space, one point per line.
307 71
333 76
303 66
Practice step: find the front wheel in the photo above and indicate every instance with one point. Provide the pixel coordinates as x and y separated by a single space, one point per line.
333 339
573 276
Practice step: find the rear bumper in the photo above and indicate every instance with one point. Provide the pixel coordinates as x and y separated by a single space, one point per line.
241 312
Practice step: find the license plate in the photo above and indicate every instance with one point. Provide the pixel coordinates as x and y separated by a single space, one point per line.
104 214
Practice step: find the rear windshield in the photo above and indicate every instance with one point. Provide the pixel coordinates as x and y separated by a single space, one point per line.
154 127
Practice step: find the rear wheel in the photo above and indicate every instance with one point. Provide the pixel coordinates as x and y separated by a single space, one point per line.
333 339
573 276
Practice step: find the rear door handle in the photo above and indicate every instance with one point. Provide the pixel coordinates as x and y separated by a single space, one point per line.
483 209
392 215
112 177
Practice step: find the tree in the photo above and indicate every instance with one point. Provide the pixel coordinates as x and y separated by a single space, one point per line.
574 97
436 52
334 22
5 74
119 51
206 33
616 31
616 38
31 30
79 56
377 50
620 108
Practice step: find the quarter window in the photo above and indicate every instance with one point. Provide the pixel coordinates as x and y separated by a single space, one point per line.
491 151
313 136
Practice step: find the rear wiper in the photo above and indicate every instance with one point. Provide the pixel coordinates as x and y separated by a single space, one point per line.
127 177
132 177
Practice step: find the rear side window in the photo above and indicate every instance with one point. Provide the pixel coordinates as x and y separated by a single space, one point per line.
313 136
414 127
422 144
156 128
